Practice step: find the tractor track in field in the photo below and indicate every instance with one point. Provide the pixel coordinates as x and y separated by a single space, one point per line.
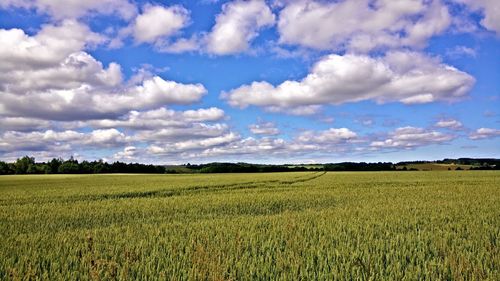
209 188
170 192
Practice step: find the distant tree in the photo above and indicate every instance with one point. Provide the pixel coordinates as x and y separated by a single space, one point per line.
72 160
5 168
53 165
39 168
69 167
86 167
22 164
100 167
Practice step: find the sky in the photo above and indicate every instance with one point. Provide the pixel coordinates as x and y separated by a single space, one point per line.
172 82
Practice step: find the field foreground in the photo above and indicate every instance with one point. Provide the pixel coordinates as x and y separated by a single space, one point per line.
286 226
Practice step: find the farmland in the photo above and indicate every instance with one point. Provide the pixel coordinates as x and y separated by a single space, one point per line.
434 167
286 226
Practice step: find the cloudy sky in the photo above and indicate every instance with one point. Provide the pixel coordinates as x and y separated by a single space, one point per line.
258 81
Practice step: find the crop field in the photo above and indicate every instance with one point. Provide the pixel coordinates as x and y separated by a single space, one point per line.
434 167
278 226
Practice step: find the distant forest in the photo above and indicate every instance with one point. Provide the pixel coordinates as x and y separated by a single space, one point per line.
28 165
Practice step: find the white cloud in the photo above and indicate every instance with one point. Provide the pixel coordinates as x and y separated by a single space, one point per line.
160 118
128 153
490 9
84 102
60 9
22 124
188 132
160 91
299 110
330 136
434 20
361 25
75 70
51 140
248 146
193 144
158 21
266 128
461 51
333 140
226 143
237 25
405 77
411 137
49 76
202 114
449 123
180 45
51 45
105 137
366 121
484 133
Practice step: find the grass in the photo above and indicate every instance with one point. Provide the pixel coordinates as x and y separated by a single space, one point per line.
285 226
434 166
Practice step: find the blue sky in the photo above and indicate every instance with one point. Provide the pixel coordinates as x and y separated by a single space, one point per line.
256 81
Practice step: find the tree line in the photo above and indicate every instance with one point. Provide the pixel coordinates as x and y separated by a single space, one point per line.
28 165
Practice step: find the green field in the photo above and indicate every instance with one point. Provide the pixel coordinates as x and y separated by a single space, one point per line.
434 167
279 226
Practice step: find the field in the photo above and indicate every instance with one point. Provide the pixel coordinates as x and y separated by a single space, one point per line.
279 226
434 167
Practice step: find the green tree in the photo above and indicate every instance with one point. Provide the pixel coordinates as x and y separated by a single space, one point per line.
69 167
22 164
4 168
53 165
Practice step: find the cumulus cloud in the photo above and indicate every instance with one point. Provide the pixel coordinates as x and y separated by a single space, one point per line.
22 124
171 130
484 133
49 76
104 137
231 144
159 22
330 136
490 10
51 140
60 9
247 146
128 153
411 137
180 45
51 45
163 131
187 132
237 25
192 144
56 97
361 25
266 128
75 70
84 102
299 110
405 77
449 124
332 140
160 118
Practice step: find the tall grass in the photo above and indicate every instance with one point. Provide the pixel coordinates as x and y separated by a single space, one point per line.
288 226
